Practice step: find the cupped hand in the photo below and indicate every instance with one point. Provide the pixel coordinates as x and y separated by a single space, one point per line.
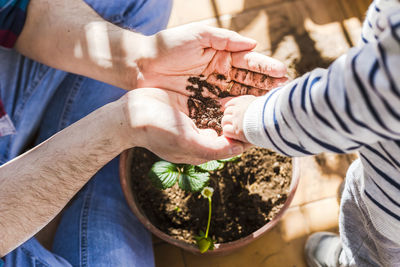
215 53
157 120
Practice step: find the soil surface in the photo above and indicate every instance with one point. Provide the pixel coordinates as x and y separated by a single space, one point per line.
248 193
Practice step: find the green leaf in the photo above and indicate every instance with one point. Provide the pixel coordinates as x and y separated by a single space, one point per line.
203 244
212 165
164 174
230 159
200 236
193 180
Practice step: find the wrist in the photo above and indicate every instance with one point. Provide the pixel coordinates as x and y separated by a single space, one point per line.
137 51
116 125
253 126
131 111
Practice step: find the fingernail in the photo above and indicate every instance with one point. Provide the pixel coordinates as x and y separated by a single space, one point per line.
250 40
237 150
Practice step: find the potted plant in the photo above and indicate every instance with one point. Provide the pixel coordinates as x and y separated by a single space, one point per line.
249 193
140 159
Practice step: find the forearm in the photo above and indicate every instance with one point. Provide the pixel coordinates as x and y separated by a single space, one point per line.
71 36
35 186
352 104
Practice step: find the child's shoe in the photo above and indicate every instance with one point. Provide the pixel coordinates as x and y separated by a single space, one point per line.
323 249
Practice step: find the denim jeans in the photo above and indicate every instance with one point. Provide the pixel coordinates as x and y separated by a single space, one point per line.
97 228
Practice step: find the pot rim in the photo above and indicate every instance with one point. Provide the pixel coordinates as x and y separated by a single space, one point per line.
219 248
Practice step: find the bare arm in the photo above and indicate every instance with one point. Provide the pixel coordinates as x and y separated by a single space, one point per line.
71 36
35 186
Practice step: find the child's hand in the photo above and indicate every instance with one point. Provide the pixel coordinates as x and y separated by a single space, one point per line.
232 121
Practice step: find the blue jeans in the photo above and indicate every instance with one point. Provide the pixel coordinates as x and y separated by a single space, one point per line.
97 228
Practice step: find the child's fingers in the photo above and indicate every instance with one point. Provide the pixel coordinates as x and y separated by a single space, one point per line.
232 101
228 112
226 119
228 131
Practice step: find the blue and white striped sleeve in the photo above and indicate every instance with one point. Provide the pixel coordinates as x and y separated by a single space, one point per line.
352 103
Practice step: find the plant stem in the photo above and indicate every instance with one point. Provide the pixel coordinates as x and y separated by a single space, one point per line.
209 217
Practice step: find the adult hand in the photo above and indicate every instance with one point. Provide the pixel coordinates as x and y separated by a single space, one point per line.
157 120
83 43
194 50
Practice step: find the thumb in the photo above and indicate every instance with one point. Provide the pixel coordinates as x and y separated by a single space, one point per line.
210 147
223 39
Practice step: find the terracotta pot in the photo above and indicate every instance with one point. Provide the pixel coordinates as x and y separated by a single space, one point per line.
220 248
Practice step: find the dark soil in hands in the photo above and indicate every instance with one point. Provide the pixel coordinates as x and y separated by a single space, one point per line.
205 111
248 193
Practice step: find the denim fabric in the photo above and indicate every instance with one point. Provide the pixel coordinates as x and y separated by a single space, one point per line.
362 244
149 15
97 228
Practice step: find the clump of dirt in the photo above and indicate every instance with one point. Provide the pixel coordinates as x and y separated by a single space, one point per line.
203 110
248 193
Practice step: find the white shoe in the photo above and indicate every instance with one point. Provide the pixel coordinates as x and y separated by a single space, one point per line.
323 249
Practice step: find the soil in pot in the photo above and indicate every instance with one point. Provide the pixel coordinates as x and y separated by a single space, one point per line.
248 193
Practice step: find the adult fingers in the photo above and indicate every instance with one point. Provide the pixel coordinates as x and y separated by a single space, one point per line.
255 79
210 132
223 39
260 63
209 147
244 82
247 146
238 89
235 88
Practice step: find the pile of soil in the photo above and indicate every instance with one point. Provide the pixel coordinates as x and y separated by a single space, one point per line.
248 193
205 111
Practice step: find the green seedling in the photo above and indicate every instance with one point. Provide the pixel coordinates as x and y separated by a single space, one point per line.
204 242
190 178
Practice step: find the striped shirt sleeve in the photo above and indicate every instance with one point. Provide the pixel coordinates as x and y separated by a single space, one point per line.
12 20
340 109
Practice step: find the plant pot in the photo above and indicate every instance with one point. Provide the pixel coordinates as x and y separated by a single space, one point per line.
220 248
